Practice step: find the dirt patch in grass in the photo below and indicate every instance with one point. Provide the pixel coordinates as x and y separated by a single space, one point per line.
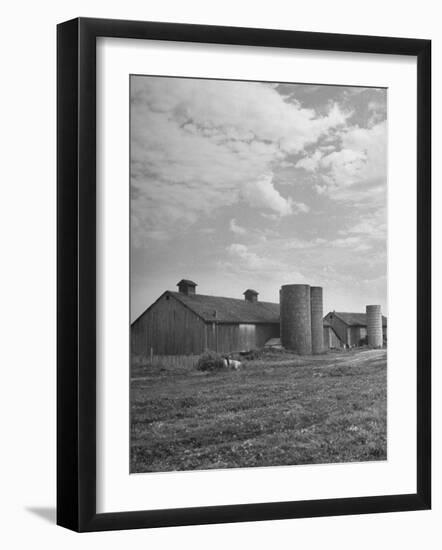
277 410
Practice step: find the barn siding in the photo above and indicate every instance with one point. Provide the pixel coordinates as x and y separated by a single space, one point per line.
223 337
247 337
350 335
356 335
331 340
229 337
339 327
169 328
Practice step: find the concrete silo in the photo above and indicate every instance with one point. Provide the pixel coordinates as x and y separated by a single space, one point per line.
296 330
317 327
374 326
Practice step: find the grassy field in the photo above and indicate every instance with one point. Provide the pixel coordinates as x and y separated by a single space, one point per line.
279 409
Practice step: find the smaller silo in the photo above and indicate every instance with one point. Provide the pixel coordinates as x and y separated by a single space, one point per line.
296 330
374 326
316 319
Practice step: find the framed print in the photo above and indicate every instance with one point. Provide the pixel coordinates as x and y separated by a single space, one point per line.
243 274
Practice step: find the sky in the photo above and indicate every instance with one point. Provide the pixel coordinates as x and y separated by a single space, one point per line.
239 185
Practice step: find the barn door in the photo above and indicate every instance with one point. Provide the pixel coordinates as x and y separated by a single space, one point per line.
247 337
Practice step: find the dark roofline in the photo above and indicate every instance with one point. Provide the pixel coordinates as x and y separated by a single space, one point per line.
348 324
147 309
176 296
336 313
173 295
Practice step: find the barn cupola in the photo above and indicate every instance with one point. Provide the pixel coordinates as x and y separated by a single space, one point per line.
251 295
186 287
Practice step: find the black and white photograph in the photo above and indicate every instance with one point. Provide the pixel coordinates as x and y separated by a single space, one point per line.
219 217
258 274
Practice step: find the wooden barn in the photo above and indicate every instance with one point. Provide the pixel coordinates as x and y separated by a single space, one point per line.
331 339
348 329
187 323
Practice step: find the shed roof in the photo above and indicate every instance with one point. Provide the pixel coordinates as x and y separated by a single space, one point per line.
229 310
355 319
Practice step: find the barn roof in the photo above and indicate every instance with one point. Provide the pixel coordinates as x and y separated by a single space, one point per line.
355 319
229 310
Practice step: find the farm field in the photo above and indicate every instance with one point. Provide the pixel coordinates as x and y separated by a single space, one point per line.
278 409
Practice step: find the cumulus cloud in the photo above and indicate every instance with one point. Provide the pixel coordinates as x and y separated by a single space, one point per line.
300 207
357 170
372 226
258 185
348 242
310 163
250 260
262 194
344 167
294 243
235 228
197 145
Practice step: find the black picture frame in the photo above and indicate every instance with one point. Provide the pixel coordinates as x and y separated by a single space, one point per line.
77 288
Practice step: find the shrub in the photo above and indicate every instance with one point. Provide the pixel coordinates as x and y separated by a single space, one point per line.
210 361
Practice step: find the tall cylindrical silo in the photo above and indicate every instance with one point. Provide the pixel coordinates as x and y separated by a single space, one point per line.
374 326
316 319
296 330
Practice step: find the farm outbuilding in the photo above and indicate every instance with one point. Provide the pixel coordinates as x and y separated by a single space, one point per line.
331 339
188 323
348 329
185 323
